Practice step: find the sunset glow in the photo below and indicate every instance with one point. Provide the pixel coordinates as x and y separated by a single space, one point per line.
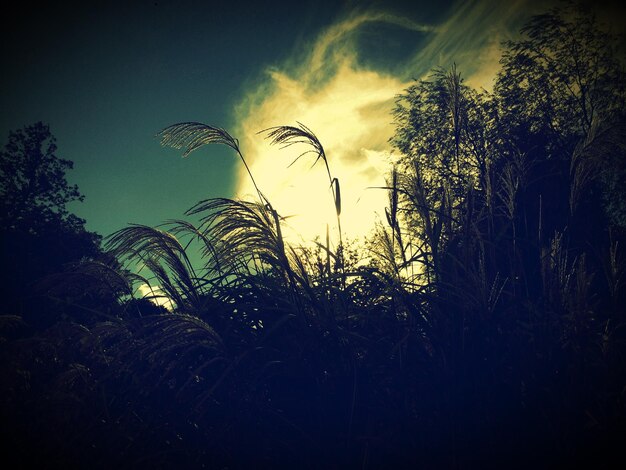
348 106
350 116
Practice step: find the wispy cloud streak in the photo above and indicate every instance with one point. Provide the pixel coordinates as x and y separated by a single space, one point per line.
471 37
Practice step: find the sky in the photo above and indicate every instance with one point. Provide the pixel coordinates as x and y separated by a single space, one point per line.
108 76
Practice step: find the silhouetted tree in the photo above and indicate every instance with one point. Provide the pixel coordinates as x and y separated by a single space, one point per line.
505 190
38 233
561 87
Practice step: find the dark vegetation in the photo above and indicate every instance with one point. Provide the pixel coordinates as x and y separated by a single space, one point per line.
486 328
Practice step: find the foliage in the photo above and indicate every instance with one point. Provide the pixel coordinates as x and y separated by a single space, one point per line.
38 233
485 330
515 245
33 185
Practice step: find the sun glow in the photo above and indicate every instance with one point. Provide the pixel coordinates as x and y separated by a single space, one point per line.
348 106
349 112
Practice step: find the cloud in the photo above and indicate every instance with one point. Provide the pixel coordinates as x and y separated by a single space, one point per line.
335 43
349 109
348 106
471 37
156 295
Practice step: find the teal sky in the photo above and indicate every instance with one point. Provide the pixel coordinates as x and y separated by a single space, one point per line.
108 76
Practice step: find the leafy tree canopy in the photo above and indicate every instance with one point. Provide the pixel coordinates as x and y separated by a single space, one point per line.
38 234
33 188
562 78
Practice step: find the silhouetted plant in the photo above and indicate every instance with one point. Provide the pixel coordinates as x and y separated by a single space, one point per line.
486 328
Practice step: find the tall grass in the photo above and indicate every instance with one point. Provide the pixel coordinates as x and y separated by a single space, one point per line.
486 329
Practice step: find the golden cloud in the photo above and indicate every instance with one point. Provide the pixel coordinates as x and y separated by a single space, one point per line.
156 295
349 107
350 112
